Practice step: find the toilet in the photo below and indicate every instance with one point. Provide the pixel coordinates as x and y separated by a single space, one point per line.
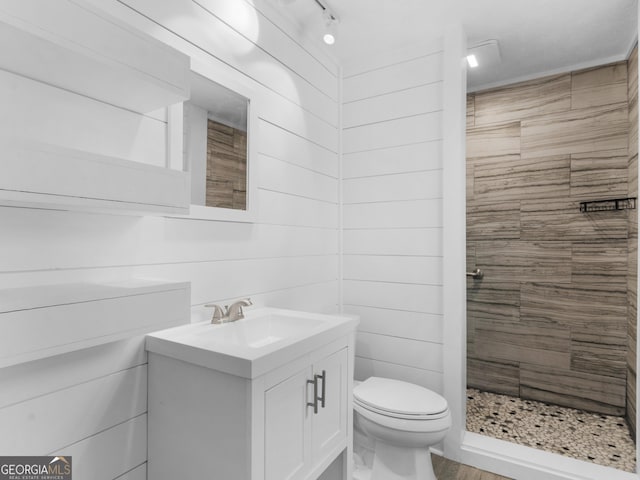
395 423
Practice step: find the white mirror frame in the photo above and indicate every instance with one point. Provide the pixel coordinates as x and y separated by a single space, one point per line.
175 139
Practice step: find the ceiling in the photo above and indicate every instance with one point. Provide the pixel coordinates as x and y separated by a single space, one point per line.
536 37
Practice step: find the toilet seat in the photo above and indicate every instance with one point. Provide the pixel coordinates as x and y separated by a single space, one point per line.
435 423
397 399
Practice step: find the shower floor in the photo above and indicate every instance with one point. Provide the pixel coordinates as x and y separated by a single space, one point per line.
591 437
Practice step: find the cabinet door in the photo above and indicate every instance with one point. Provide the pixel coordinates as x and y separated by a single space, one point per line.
287 434
329 425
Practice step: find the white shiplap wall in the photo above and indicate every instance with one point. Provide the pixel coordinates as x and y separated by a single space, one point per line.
95 409
392 214
276 260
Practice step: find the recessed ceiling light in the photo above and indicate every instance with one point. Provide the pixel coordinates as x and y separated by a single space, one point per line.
485 53
328 38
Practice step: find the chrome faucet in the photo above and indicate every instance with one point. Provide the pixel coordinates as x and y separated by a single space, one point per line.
230 313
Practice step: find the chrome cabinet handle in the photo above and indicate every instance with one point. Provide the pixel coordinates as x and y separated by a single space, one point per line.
324 382
317 399
314 404
477 274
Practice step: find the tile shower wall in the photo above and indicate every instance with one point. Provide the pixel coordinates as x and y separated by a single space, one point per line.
549 320
632 278
226 183
392 214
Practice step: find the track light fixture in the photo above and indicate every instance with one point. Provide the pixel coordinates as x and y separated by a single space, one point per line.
330 22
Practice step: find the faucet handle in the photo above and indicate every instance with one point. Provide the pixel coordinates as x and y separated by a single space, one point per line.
218 313
235 311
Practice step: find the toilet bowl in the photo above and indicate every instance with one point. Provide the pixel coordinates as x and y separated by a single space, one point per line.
395 423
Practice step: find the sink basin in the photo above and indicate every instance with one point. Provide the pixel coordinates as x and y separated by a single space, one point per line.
265 339
259 331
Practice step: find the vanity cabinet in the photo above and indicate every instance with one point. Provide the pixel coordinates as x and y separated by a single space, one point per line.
288 417
306 418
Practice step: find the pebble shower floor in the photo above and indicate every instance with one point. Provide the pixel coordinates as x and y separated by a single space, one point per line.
592 437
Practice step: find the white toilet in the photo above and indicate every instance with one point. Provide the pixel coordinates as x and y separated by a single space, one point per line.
395 423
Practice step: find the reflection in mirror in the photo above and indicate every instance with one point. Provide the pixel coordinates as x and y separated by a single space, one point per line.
215 143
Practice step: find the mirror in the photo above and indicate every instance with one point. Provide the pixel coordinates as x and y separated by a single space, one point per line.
218 132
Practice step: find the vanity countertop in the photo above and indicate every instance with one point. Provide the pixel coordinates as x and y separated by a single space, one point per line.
265 339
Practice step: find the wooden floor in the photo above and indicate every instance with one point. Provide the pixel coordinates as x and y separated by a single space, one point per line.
448 470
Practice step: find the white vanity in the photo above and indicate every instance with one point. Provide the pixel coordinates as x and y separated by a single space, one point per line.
263 398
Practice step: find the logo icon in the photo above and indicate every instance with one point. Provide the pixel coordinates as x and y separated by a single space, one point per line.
35 468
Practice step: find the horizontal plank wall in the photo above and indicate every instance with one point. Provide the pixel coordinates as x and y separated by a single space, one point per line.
549 320
288 258
89 404
392 214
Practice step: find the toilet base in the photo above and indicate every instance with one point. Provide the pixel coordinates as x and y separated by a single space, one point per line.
362 473
394 463
401 463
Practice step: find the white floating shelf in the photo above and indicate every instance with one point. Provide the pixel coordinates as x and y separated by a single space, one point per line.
54 177
74 46
39 322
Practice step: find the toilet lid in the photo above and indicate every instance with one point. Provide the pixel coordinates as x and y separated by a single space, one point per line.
398 398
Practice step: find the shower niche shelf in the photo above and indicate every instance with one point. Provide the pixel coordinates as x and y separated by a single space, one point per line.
608 205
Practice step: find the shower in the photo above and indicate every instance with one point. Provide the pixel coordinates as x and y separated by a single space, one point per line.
552 225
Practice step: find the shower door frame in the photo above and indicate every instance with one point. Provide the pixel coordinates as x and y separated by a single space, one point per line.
505 458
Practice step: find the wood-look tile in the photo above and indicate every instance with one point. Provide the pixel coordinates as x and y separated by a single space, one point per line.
632 280
535 150
524 100
632 328
497 351
633 176
226 166
599 175
525 261
497 377
631 402
471 255
600 263
470 181
631 354
632 300
520 179
607 360
550 219
471 337
446 469
491 290
577 131
604 85
632 90
493 300
519 342
471 110
611 338
574 389
493 141
493 221
599 310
